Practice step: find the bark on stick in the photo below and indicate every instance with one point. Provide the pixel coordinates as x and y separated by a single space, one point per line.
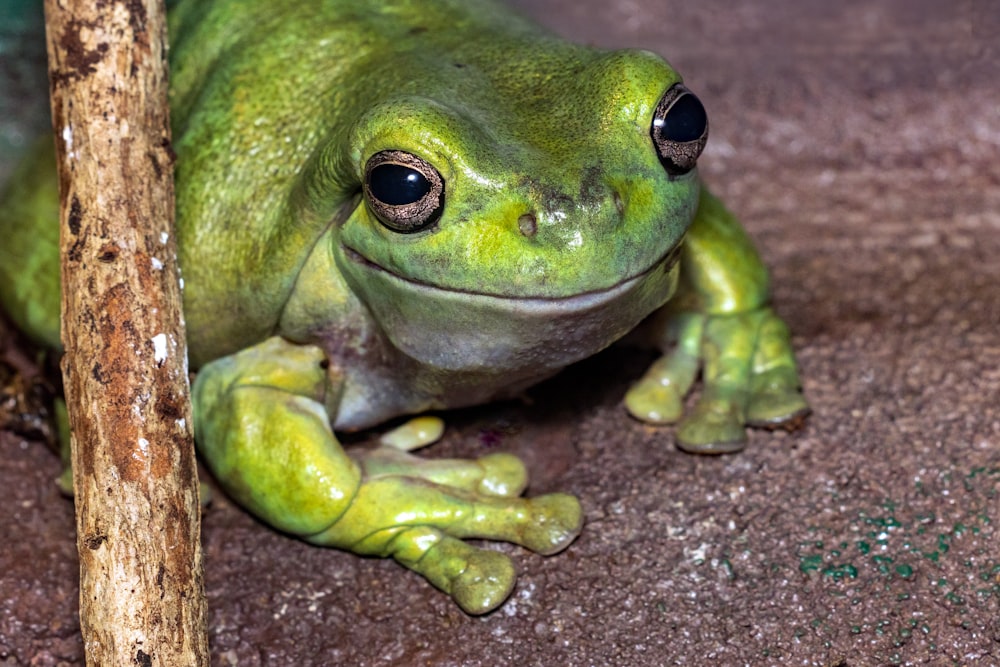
125 368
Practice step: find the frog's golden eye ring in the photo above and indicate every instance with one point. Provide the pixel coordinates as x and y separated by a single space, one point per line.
679 130
404 191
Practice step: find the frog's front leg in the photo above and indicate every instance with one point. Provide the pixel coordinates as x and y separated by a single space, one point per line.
719 324
262 424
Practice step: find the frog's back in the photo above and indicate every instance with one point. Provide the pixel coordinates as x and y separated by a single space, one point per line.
257 88
264 96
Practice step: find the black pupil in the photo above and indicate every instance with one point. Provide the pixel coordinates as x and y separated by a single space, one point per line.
396 185
685 120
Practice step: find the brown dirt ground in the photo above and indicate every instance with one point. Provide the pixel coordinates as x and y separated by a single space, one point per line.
860 143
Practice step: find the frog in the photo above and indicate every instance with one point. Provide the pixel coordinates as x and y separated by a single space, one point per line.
390 208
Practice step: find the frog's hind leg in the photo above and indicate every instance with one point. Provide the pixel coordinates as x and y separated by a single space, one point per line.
262 421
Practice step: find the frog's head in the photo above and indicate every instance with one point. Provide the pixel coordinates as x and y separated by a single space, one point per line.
532 220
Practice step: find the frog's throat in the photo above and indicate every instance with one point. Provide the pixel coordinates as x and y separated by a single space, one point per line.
581 300
511 339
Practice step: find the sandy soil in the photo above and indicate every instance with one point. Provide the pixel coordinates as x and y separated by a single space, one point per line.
859 142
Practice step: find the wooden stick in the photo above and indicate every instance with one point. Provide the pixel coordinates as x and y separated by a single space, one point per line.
125 369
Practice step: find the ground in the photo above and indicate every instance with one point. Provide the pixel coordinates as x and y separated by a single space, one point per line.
859 142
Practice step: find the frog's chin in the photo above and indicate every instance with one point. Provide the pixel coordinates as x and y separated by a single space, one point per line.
457 330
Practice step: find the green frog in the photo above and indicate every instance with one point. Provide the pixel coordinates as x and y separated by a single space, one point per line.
391 207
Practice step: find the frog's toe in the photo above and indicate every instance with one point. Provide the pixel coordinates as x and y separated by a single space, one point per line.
778 409
776 400
415 433
503 475
477 579
491 475
658 397
653 402
551 523
712 428
65 482
485 583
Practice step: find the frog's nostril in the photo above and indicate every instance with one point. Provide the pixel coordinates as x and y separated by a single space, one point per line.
527 225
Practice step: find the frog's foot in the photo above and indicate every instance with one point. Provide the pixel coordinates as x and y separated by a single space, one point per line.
749 377
422 524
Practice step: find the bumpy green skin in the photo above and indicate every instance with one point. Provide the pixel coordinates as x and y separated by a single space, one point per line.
307 315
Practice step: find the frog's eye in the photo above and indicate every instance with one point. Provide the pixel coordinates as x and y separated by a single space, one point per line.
404 192
680 130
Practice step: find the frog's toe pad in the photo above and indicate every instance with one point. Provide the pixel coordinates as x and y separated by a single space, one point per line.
503 475
485 583
711 433
555 521
778 408
654 402
776 399
414 434
477 579
65 482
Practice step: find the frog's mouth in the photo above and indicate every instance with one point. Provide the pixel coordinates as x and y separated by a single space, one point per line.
518 338
582 299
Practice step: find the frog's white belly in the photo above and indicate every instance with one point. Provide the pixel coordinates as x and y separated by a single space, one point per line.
372 396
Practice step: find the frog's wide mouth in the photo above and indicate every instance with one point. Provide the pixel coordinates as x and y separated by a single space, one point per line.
581 299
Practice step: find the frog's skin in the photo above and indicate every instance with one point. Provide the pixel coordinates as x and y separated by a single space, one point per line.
561 230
